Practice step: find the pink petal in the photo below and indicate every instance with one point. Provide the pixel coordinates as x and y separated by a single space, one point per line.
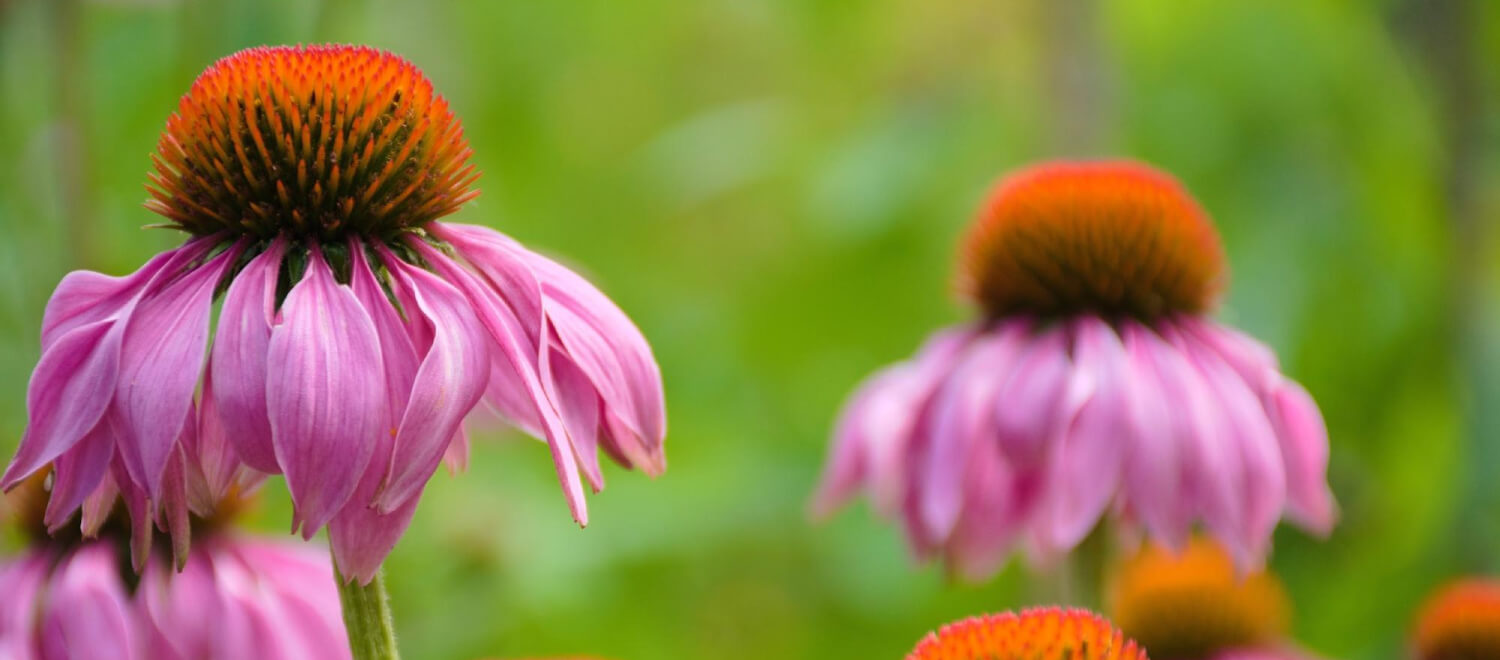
998 503
579 406
86 614
85 297
77 473
161 358
1153 470
69 392
327 402
457 456
99 505
138 506
875 430
962 418
177 608
503 265
213 465
448 384
519 363
1032 407
1304 451
239 358
1090 458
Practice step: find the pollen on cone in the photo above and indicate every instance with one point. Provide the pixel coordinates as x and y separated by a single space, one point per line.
1037 634
1460 622
1193 604
317 141
1108 238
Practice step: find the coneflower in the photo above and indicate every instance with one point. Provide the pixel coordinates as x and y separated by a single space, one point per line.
355 332
1461 621
1093 382
1037 634
1196 605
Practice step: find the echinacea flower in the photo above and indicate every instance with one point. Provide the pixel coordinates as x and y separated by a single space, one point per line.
1460 622
1093 382
1195 604
230 597
1037 634
355 332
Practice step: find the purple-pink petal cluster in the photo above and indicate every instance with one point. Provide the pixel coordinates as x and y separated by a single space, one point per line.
1020 434
233 599
348 368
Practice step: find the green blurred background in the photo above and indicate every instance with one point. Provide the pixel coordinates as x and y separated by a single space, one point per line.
773 189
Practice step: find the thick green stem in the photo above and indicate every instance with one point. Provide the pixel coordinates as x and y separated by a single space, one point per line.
367 615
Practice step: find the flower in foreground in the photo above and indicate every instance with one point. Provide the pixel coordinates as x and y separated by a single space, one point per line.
1460 622
1094 382
74 596
1196 605
355 332
1036 634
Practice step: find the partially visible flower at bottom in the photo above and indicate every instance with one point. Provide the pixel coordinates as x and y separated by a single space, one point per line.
235 598
1460 622
1048 633
1195 605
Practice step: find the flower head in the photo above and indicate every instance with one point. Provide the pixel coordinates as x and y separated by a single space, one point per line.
1092 385
355 333
1460 622
74 596
1195 604
1036 634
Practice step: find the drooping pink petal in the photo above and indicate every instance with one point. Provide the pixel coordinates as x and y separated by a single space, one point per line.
1032 408
875 428
448 384
1213 478
1153 480
519 363
328 402
238 372
579 407
86 614
457 456
161 359
1304 450
180 611
963 418
173 513
77 473
21 581
1246 428
138 506
85 297
70 390
1089 459
213 465
598 337
99 504
999 502
296 582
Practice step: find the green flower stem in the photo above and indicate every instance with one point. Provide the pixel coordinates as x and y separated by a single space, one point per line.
367 615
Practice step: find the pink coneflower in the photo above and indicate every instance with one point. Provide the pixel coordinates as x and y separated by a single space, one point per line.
1093 382
234 598
355 332
1196 605
1047 633
75 595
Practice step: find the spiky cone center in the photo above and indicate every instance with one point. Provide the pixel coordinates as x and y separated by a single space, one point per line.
1461 622
1037 634
1115 239
1193 604
316 142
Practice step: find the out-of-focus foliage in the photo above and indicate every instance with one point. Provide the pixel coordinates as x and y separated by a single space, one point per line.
773 191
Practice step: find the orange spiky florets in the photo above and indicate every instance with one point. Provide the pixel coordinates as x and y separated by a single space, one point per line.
315 141
1037 634
1192 604
1110 238
1461 622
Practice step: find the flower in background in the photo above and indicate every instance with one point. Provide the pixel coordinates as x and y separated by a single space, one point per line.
74 596
1460 622
1036 634
355 332
1196 605
1094 382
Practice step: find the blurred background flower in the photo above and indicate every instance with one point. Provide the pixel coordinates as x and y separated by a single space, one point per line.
1461 620
1048 633
774 190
